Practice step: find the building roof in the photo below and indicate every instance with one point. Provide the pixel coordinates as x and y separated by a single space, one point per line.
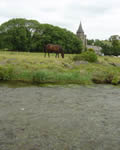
80 29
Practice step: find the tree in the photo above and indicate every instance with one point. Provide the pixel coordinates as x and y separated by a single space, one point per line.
115 47
106 49
16 34
98 42
114 37
29 35
90 42
111 46
47 33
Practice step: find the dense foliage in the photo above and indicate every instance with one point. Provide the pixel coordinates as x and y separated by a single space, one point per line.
110 46
29 35
89 56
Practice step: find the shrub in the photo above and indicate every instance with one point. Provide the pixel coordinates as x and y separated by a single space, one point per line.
108 76
87 56
102 77
116 79
6 73
91 50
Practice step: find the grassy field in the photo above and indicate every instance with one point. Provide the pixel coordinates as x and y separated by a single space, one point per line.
34 68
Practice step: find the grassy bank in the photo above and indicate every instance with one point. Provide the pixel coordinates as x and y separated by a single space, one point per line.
34 68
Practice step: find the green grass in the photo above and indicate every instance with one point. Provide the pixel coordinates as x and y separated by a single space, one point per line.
34 68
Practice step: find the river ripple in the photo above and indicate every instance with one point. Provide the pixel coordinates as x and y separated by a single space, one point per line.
60 118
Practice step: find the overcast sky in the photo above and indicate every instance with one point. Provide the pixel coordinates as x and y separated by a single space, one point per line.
100 18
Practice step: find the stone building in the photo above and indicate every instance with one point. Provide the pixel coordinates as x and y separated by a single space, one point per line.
97 49
80 34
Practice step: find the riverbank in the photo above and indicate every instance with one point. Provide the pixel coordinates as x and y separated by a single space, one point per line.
34 68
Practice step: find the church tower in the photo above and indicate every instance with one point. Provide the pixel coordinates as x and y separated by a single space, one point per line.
80 34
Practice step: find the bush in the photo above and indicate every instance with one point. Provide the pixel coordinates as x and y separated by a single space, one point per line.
89 56
6 73
116 79
91 50
103 77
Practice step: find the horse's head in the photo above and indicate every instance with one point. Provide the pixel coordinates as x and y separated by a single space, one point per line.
62 53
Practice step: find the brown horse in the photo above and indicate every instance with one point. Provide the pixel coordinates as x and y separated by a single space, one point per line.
51 48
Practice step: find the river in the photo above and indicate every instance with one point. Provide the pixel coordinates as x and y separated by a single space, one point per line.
59 117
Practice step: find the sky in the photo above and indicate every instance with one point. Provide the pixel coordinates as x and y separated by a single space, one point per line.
100 18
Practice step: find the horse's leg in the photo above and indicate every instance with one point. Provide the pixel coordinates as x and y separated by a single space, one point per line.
58 55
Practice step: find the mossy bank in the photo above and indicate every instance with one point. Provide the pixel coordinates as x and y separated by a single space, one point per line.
34 68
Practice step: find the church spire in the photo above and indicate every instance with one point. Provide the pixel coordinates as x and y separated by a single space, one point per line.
80 34
80 29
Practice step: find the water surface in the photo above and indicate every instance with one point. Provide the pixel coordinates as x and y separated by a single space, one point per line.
59 118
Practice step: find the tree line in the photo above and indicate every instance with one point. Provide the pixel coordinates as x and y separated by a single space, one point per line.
30 35
109 47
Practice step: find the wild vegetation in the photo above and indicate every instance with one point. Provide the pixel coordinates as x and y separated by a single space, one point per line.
34 68
19 37
88 55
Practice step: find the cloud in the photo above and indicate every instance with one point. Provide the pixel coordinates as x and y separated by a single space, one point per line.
100 18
